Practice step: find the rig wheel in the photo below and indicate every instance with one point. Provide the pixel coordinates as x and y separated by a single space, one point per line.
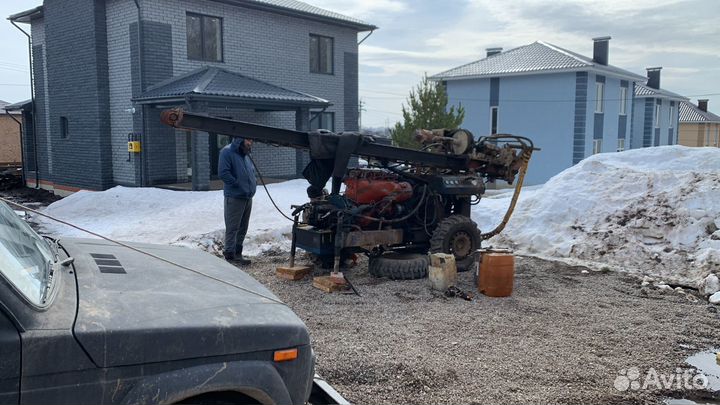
458 235
399 266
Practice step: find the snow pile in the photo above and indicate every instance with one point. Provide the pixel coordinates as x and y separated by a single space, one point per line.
187 218
653 211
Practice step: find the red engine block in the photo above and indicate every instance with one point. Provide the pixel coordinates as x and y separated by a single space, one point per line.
370 186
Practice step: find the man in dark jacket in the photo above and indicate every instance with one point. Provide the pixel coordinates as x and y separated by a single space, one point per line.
238 175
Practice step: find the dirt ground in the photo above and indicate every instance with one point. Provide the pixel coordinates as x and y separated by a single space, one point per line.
563 337
32 197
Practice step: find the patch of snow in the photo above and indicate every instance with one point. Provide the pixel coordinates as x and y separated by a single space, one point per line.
715 298
644 211
186 218
710 285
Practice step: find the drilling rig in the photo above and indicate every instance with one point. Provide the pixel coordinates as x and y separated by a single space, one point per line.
404 204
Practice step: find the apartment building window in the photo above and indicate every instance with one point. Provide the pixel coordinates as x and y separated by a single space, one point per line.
623 100
670 116
204 37
321 54
493 120
597 146
322 120
64 128
657 115
621 145
599 95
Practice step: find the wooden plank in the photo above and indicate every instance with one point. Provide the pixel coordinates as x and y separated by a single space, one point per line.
328 284
293 273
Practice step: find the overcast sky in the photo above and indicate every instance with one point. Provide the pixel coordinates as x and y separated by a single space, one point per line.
418 36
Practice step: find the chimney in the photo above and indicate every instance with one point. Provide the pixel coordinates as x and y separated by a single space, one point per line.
601 50
493 51
702 104
653 74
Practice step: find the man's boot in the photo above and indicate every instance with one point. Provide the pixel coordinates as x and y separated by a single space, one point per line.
239 259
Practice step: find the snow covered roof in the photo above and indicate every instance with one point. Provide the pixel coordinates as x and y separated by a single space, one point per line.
538 57
643 91
689 112
216 84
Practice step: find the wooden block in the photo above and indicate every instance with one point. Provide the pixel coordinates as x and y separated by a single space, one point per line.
441 259
442 271
293 273
328 284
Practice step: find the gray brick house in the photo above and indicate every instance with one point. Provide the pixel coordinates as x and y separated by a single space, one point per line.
104 69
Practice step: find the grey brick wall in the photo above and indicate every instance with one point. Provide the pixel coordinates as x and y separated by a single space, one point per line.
273 48
120 15
77 72
159 141
272 161
42 124
351 96
41 115
89 75
28 158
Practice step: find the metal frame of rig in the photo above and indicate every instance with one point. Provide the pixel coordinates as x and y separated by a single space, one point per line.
405 204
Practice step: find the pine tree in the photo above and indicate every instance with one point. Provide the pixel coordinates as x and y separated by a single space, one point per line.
427 109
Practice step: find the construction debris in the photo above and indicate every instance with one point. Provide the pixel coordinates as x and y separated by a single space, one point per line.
456 292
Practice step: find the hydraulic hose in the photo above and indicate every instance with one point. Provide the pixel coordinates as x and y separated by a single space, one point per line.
525 160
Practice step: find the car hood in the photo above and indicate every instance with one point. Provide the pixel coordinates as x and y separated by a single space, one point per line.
135 309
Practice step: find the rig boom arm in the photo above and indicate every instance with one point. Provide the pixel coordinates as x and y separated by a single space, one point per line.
301 140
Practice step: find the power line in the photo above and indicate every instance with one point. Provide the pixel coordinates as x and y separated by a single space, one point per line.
520 100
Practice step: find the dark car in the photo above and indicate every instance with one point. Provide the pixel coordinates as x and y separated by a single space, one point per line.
89 321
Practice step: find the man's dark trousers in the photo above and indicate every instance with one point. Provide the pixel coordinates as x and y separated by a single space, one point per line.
237 217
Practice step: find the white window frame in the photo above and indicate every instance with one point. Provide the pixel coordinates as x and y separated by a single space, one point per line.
670 125
497 119
623 100
621 144
599 97
657 115
597 146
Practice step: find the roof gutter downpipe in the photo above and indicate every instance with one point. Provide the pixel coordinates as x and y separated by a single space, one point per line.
141 78
366 37
34 111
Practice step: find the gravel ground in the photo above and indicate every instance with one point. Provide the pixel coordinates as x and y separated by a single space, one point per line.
562 337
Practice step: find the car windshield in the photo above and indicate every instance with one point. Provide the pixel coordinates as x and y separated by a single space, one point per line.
25 258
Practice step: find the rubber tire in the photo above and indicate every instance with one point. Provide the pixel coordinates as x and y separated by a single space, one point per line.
399 266
440 240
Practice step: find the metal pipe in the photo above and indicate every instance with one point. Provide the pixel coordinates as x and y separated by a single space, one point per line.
366 37
22 151
34 110
141 78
